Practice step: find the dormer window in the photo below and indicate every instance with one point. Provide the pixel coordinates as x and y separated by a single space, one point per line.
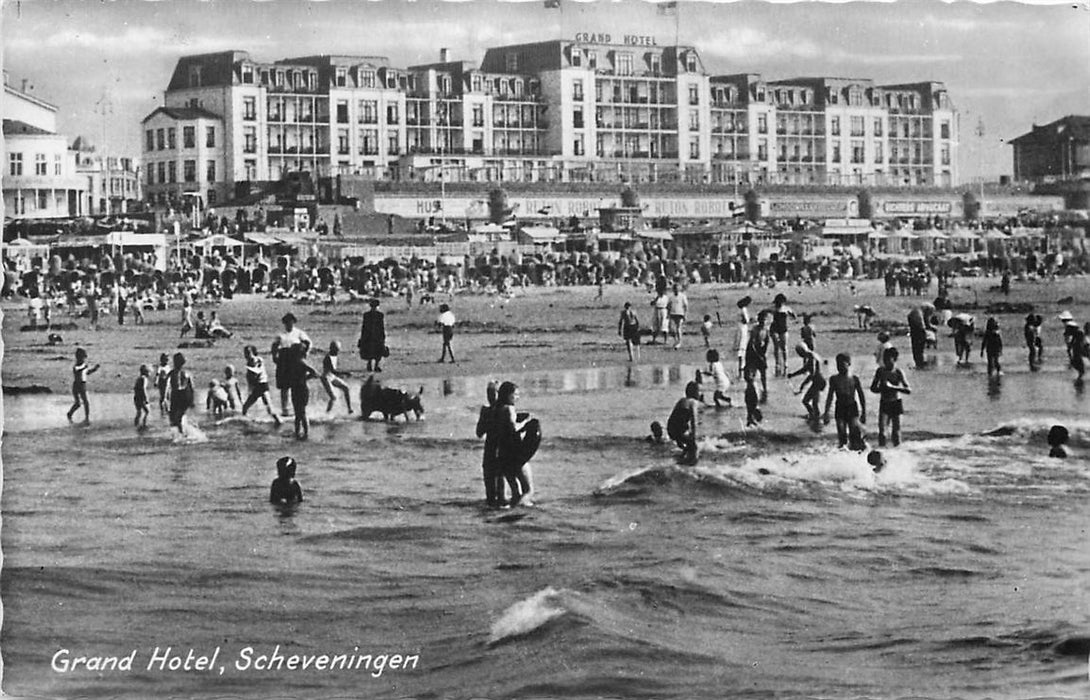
247 74
341 77
475 83
655 62
592 59
194 76
690 62
367 78
511 62
576 58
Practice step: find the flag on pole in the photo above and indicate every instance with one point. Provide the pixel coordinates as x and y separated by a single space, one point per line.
552 4
668 8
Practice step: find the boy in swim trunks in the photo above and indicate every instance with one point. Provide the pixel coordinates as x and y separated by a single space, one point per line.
331 378
850 415
811 367
889 383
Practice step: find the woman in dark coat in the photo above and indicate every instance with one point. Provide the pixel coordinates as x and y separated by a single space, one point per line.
372 342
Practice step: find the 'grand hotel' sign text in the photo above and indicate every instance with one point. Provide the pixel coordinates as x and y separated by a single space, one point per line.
626 39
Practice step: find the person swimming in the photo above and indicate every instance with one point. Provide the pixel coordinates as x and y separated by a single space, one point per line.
876 460
1058 436
285 489
655 438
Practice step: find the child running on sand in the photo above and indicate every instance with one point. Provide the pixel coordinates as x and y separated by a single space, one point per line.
80 372
889 383
811 367
258 380
681 425
331 378
285 490
140 397
850 416
992 345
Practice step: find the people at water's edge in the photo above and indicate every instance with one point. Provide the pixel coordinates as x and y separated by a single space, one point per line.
681 425
845 388
372 342
890 384
80 371
510 427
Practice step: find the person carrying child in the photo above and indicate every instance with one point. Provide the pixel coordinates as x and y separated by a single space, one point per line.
331 377
285 490
510 427
890 384
850 415
258 381
681 425
140 397
80 372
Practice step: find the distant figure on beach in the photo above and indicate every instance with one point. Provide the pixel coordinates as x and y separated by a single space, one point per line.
992 346
331 378
297 373
187 312
140 400
659 319
285 490
161 373
80 372
628 327
779 333
677 307
807 332
741 336
1057 437
964 326
446 323
372 342
1034 346
706 330
182 395
890 384
257 379
919 323
884 343
757 353
863 315
681 425
491 468
845 388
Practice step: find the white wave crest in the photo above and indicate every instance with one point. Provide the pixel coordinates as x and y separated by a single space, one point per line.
527 615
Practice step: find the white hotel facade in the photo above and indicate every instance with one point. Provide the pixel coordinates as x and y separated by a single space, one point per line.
576 110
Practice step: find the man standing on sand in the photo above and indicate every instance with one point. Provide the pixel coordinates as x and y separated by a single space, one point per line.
676 308
919 322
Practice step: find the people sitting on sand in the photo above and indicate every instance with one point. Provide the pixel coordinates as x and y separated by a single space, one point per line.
216 329
200 327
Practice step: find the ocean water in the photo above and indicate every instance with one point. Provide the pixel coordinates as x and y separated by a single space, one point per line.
778 567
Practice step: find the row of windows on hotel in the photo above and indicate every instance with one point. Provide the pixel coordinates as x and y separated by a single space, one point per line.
167 139
167 172
41 164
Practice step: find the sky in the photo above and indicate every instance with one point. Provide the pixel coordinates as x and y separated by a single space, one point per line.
1007 65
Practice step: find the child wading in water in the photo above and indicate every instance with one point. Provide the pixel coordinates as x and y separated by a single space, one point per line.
811 367
285 490
845 387
992 345
182 396
258 380
80 372
719 373
161 373
889 383
331 378
140 397
681 425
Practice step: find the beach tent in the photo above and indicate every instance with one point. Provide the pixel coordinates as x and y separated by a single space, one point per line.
539 235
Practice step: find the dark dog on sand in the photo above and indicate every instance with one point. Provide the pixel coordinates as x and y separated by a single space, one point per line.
389 402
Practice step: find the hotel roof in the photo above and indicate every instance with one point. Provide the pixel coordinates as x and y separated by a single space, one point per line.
14 127
183 113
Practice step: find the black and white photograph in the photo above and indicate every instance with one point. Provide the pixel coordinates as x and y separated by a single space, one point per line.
661 349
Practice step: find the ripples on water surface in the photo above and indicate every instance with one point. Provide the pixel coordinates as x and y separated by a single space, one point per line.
778 566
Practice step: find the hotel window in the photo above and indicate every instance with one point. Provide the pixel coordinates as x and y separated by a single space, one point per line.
151 175
392 116
781 124
248 75
834 96
577 118
760 94
592 59
249 108
43 199
878 155
172 172
249 140
342 141
694 147
162 167
342 77
762 149
278 78
855 97
694 95
783 151
576 58
517 87
369 142
624 63
475 83
655 61
251 169
511 62
392 141
836 152
690 62
275 109
291 79
478 115
878 126
762 123
149 137
577 145
857 126
945 154
211 197
577 90
41 167
857 151
367 78
189 137
694 120
210 171
58 164
834 126
264 77
944 129
172 141
368 112
189 168
342 111
210 137
194 76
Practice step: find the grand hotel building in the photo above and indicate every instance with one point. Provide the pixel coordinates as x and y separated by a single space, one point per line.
554 111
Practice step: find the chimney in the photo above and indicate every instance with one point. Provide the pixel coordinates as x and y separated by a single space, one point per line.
444 55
